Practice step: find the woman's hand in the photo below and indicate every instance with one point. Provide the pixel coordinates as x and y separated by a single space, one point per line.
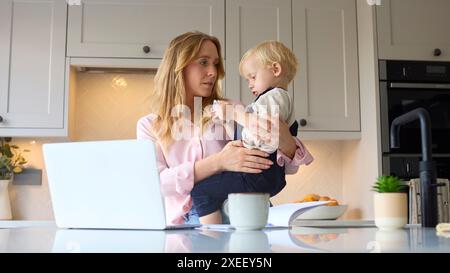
234 157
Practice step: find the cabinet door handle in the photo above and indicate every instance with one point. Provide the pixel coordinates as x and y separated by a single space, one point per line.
437 52
1 119
146 49
303 122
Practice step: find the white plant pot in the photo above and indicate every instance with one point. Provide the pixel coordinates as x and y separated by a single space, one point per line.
392 240
391 210
5 204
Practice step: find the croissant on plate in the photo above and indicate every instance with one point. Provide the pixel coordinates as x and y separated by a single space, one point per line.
315 197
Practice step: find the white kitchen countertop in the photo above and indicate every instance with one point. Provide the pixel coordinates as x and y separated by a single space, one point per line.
24 223
44 236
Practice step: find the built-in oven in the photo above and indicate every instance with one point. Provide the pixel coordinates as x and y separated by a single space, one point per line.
404 86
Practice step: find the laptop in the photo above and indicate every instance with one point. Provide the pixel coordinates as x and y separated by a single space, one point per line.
97 240
106 185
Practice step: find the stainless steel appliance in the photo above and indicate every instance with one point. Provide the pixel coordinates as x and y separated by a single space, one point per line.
408 85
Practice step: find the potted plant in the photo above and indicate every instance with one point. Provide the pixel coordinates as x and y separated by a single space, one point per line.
390 203
11 162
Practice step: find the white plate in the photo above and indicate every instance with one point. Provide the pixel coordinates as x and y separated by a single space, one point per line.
323 213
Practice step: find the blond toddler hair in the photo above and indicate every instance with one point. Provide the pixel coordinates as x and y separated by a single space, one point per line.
269 52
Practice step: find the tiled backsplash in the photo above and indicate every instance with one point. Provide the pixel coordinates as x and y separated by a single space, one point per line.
323 176
107 106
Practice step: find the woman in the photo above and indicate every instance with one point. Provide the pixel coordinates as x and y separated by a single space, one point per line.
192 66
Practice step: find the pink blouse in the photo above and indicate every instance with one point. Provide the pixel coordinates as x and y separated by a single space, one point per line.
176 167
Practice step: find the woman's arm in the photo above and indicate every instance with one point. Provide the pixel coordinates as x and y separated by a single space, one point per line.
177 180
180 179
233 157
206 167
264 124
287 144
301 157
291 152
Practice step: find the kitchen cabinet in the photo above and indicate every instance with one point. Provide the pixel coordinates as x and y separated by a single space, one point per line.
32 67
326 87
414 30
250 22
138 28
322 34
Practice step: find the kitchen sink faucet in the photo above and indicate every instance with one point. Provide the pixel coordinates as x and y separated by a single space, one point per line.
427 166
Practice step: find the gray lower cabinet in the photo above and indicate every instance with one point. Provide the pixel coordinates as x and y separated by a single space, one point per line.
32 67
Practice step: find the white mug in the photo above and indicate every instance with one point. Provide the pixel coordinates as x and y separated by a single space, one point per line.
249 241
248 211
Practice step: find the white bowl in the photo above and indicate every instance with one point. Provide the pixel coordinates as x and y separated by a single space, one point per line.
323 213
295 230
302 235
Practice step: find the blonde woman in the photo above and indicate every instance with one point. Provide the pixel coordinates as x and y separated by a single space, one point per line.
192 67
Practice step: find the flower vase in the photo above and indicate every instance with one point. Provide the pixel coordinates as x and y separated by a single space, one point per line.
5 205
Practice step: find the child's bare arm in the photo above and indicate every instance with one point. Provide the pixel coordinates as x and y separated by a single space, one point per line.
224 110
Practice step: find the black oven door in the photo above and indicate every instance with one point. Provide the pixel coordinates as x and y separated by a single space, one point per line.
398 98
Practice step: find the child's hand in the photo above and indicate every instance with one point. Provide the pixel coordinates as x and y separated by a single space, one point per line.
219 109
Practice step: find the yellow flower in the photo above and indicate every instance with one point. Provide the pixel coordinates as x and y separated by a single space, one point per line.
17 169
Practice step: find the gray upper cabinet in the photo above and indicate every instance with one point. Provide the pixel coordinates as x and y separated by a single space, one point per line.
326 87
32 66
138 28
414 30
323 36
250 22
34 72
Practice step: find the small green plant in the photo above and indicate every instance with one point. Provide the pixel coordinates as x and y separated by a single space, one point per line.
387 183
11 158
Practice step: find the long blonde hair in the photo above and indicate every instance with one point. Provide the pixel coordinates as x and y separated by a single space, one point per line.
169 90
